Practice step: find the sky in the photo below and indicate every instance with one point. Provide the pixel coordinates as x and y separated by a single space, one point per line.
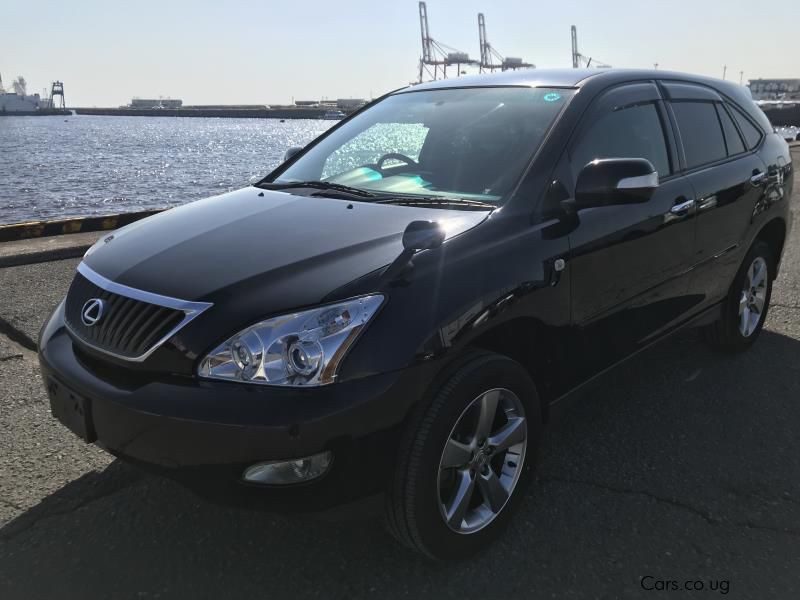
271 52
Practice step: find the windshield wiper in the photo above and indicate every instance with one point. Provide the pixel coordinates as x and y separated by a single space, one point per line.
440 200
384 198
319 185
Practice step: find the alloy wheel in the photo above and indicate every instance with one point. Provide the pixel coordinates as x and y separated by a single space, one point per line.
482 460
753 296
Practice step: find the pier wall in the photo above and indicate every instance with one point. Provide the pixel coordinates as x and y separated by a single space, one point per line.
236 113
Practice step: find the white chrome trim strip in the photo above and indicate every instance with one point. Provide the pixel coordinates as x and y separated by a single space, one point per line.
642 181
191 310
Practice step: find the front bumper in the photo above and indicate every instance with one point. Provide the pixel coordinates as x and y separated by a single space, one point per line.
205 433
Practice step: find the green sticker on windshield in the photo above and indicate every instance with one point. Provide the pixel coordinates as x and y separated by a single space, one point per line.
552 97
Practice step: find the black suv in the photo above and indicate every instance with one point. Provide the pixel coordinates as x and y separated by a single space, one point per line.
400 304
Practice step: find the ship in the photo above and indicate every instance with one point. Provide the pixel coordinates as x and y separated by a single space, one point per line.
17 101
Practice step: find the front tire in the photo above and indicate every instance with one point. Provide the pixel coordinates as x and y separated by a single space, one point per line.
466 459
744 311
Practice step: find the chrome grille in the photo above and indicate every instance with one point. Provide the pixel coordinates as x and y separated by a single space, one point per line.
133 324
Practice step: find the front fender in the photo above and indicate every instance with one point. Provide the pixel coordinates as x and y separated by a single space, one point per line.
456 296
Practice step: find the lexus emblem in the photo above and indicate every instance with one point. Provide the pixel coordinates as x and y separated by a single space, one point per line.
92 311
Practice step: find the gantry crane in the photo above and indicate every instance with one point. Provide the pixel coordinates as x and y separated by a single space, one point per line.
581 61
57 89
437 55
489 55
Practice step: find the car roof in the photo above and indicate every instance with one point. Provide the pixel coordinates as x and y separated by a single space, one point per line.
572 78
521 77
595 78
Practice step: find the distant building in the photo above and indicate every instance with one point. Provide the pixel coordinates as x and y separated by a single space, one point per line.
775 89
148 103
228 106
341 103
350 103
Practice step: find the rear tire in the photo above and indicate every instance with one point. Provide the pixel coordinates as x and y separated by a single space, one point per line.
466 458
744 310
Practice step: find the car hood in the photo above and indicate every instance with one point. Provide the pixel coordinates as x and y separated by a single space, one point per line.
296 249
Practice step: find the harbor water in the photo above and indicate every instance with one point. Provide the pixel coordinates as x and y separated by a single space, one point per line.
58 167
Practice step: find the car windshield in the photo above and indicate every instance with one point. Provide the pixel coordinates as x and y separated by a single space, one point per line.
466 143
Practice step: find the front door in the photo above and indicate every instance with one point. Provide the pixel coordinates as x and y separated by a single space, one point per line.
629 262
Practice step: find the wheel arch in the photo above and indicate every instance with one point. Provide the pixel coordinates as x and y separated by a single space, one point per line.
774 234
533 345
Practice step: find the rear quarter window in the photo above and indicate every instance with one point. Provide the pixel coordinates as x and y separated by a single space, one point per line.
732 138
751 133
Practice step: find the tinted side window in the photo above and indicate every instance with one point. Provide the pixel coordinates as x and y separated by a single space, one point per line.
630 132
752 134
732 138
700 132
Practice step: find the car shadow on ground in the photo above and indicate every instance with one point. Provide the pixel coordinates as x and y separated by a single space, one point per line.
680 463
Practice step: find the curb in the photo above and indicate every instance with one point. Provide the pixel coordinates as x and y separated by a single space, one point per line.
37 229
30 258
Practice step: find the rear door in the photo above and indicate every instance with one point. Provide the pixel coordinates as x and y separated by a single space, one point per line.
724 171
629 262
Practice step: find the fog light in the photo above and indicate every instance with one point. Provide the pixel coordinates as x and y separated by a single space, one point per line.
289 471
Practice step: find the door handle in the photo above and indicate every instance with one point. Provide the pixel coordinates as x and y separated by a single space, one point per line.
758 177
707 202
682 207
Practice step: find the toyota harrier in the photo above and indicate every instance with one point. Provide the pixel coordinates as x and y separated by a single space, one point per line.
400 306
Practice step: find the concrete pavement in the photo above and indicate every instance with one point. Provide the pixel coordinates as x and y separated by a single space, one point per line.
681 465
46 249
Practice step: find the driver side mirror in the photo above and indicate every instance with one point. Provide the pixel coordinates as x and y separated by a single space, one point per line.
609 181
423 235
419 235
291 152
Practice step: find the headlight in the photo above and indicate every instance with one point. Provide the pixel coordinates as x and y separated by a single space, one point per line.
298 349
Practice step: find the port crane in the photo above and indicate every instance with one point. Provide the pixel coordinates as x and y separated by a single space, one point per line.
436 57
57 89
489 54
581 61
